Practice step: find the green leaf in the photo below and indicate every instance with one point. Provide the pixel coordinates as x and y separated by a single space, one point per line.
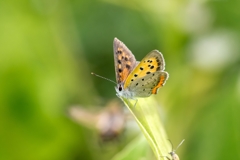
146 114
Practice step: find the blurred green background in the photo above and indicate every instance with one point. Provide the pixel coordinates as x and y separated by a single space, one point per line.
48 49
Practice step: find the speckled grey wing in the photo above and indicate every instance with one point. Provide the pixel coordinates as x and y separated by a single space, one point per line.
145 86
124 60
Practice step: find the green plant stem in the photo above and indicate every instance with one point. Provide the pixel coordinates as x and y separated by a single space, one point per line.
147 116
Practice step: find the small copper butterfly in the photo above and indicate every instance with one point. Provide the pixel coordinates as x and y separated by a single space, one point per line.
172 153
138 79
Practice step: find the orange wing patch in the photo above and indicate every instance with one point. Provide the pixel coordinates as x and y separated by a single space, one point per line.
124 75
160 84
123 68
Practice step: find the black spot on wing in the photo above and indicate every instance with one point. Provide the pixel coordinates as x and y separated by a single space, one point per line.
128 66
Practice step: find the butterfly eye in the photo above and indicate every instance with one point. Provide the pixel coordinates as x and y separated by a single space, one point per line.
120 88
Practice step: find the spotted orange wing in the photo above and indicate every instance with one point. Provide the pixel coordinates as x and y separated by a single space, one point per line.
124 60
151 63
148 75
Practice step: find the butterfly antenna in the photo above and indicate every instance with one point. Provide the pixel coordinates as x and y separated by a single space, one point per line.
103 78
180 144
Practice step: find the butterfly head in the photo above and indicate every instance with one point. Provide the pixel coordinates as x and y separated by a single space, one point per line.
123 92
119 88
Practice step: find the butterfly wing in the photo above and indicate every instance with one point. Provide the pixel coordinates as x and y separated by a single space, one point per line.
148 75
124 60
151 63
149 84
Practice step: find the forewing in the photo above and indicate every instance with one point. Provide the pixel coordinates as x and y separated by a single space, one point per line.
124 60
151 63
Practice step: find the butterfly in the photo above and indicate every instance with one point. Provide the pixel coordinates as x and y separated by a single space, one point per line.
134 78
172 153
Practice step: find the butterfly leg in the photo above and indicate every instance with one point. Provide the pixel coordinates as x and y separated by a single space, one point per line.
135 103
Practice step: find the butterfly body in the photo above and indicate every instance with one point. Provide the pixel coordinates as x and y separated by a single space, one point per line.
138 79
124 92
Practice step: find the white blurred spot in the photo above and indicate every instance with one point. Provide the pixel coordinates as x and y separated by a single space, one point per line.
213 52
195 18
